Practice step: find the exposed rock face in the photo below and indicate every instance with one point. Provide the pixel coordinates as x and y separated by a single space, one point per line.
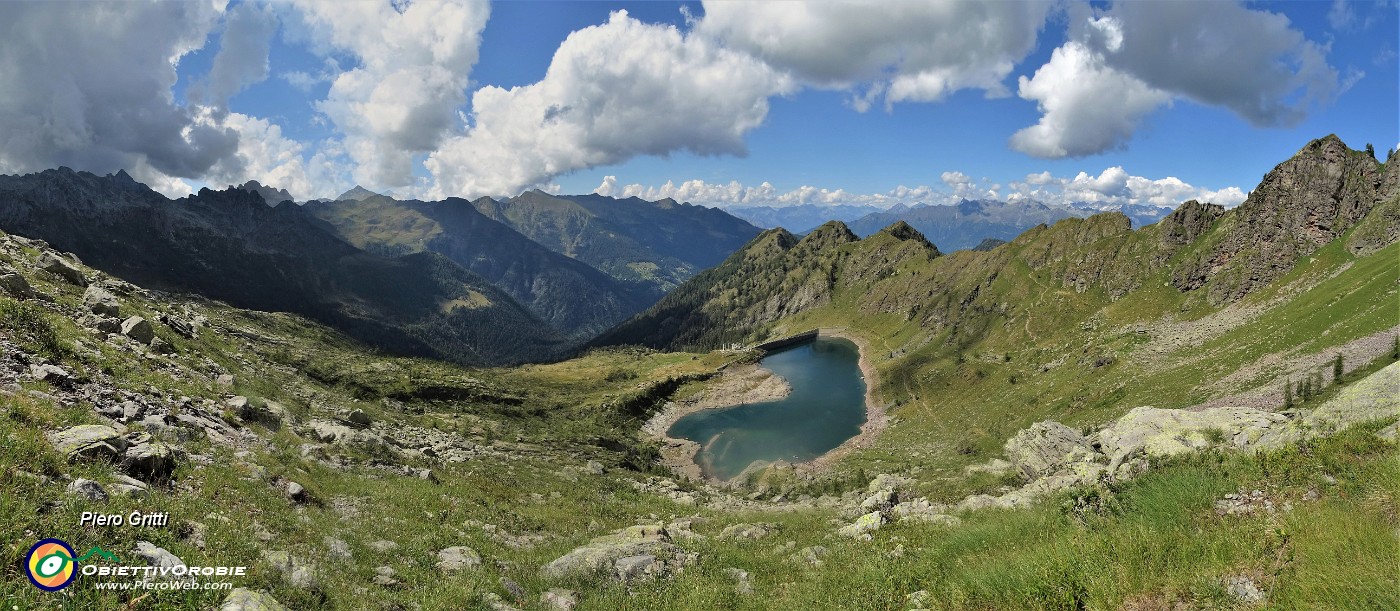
63 268
627 554
863 525
150 461
87 489
1166 432
1301 204
1046 447
1188 222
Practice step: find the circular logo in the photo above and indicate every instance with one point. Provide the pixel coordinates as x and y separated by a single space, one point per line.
51 565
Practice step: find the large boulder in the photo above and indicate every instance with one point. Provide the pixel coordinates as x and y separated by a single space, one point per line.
150 461
63 268
162 559
863 525
92 441
624 555
139 329
1047 447
1166 432
15 285
1374 397
97 300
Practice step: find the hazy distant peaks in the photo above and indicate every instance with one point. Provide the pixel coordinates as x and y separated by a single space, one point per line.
358 194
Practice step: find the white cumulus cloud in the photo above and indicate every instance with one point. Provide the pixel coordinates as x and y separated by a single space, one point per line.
404 96
903 50
613 91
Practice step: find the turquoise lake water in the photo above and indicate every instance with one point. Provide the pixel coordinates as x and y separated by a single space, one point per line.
825 408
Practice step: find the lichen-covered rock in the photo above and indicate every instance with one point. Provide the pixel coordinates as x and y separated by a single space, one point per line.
601 555
458 558
1166 432
748 531
1047 447
1374 397
863 525
243 599
89 441
87 489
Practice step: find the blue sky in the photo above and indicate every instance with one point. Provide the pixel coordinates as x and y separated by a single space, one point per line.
723 104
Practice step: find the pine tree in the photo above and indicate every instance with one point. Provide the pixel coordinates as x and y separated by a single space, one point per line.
1287 394
1395 349
1302 396
1370 150
1337 369
1307 389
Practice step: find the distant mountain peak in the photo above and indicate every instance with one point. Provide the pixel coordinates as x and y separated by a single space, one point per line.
122 177
270 194
358 194
903 231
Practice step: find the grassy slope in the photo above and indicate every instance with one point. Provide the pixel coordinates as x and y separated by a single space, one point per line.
1146 544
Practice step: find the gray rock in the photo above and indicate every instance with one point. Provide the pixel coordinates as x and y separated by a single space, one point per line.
100 302
161 346
635 568
384 576
458 558
863 525
383 547
138 329
50 373
1243 589
184 328
879 501
16 286
294 571
63 268
1046 448
595 467
297 493
87 489
514 589
600 556
150 461
160 557
559 599
90 441
359 418
748 531
337 548
243 599
741 580
224 380
810 555
495 603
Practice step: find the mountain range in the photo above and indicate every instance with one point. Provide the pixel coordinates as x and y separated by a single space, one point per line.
952 227
1202 251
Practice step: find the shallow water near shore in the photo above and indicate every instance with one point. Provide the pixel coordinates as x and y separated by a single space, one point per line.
825 408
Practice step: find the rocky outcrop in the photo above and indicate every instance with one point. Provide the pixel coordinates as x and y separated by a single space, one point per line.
1046 448
630 554
1189 221
1302 204
63 268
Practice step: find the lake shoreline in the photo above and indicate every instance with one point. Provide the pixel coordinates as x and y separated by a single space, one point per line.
734 386
747 384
